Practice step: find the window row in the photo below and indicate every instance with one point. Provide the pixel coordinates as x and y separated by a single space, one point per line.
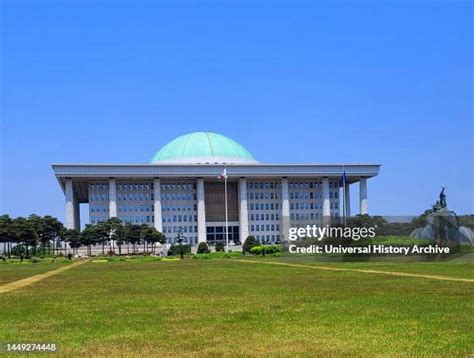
268 227
186 240
264 206
177 229
99 186
267 239
135 208
135 186
178 197
179 207
179 218
262 217
263 195
311 206
135 197
144 219
99 209
263 185
98 219
311 195
309 216
178 186
312 185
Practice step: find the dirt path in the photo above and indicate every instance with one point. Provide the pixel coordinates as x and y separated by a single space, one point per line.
389 273
30 280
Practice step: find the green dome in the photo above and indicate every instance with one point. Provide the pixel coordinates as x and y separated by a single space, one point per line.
203 148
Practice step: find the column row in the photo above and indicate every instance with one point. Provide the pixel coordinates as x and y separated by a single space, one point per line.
73 217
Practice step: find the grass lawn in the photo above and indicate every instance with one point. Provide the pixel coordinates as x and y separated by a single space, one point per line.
225 307
10 272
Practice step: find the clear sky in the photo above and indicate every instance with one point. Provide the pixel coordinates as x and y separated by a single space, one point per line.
294 82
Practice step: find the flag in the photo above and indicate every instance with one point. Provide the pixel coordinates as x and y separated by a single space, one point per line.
343 179
223 174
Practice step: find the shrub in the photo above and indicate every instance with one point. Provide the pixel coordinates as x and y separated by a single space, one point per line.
271 249
249 243
203 248
219 246
267 249
35 260
256 250
176 249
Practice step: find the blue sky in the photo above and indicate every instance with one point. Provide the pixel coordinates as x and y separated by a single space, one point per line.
294 82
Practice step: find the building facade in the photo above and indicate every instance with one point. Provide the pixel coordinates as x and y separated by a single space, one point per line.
179 191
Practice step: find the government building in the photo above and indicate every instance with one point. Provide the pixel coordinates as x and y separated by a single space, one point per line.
179 191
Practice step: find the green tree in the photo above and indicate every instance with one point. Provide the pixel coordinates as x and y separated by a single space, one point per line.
102 230
203 248
73 238
250 242
52 227
24 233
114 228
6 236
37 224
89 237
152 236
133 234
219 246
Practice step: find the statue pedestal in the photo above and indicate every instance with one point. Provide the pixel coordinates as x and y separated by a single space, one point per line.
443 227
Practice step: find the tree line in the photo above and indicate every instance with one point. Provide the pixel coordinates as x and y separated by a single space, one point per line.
48 235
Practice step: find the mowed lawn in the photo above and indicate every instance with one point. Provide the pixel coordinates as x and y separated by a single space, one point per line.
225 307
17 271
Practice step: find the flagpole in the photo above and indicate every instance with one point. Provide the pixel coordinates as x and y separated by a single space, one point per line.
344 194
226 219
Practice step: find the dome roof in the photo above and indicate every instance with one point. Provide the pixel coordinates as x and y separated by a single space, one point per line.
203 148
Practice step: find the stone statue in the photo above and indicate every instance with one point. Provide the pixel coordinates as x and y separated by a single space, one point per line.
442 198
442 225
440 204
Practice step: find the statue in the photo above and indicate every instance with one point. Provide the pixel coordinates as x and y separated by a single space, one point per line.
442 198
442 225
440 204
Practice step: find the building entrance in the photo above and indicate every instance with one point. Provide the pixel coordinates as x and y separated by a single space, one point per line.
216 234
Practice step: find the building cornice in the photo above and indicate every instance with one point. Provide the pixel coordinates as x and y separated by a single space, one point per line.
212 170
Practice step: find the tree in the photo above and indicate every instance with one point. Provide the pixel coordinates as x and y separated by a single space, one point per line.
250 242
133 234
220 246
152 236
115 232
203 248
102 231
73 238
52 227
6 236
119 237
38 225
23 232
89 237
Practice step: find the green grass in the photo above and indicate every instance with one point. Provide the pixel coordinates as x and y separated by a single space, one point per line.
224 307
13 270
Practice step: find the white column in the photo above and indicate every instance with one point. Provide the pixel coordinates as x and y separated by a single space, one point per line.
348 200
285 211
326 203
201 214
243 212
364 206
157 205
71 206
77 215
112 198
